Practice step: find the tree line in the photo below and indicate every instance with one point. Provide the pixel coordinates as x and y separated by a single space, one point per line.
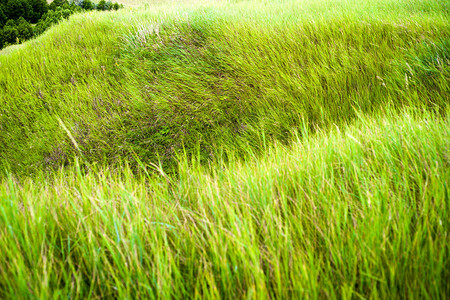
21 20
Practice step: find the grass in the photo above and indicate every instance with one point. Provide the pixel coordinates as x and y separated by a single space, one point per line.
212 76
360 212
229 149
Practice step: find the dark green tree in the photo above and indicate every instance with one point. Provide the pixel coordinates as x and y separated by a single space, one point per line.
101 5
10 33
39 8
17 31
1 38
18 8
3 17
24 30
87 5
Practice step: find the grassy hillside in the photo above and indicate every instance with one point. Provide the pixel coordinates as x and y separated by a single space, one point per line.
225 76
229 149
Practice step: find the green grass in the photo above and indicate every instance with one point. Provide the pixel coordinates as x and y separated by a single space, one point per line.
218 77
360 212
229 149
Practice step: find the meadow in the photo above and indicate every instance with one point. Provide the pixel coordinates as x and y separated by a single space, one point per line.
229 149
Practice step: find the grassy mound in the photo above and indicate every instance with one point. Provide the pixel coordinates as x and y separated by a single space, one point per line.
359 212
220 78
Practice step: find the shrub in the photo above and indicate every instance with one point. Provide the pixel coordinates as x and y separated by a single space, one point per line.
21 12
52 17
30 10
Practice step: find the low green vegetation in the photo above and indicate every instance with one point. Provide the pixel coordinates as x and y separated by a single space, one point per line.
229 149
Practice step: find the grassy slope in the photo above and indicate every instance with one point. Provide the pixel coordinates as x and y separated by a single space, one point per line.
359 212
213 77
343 211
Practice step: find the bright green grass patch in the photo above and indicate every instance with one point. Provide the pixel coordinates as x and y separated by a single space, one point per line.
360 212
213 77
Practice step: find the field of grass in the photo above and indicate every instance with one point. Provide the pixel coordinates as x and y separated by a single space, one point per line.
229 149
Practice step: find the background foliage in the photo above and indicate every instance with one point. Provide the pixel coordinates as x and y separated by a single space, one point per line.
17 16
